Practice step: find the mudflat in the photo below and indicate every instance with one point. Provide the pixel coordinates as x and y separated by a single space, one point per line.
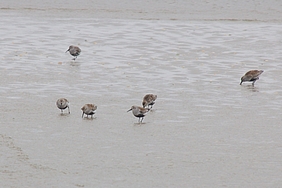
205 130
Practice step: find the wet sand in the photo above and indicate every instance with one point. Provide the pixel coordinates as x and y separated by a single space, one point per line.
210 10
205 130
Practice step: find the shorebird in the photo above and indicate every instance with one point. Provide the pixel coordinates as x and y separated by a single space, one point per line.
139 112
74 51
149 100
62 104
89 109
251 76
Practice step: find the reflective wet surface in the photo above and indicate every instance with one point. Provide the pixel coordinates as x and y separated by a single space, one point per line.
205 129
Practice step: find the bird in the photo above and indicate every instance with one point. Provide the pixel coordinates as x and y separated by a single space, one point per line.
149 100
74 51
251 76
88 109
62 104
139 112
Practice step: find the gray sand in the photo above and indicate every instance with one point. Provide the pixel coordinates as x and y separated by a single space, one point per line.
262 10
205 130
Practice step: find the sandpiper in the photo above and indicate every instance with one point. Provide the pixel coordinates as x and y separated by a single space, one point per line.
251 76
74 51
149 100
89 109
62 104
139 112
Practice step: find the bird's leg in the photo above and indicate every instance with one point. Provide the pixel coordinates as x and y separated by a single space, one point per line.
82 114
69 109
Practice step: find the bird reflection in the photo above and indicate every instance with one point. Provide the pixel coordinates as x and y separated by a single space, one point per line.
252 88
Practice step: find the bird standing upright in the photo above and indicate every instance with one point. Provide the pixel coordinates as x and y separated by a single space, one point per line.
62 104
139 112
74 51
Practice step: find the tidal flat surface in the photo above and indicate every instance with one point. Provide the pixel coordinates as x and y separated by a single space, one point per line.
205 130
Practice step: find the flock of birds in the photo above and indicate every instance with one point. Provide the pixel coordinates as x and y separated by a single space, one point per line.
90 109
148 100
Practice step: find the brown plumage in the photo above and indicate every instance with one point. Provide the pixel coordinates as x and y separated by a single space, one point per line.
251 76
74 51
149 100
62 104
88 109
139 112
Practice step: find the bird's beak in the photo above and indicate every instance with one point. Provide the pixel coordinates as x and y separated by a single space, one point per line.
67 50
129 110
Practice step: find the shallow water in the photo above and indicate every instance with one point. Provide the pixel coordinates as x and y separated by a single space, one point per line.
205 129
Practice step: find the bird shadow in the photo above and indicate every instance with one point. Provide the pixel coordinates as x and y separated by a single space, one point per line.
64 114
139 124
74 63
89 118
